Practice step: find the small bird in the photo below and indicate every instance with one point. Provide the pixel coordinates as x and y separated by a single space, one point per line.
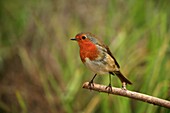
98 58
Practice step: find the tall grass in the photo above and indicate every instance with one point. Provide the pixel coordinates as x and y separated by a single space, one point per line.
40 68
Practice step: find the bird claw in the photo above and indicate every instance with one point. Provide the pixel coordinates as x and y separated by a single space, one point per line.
91 84
124 86
109 87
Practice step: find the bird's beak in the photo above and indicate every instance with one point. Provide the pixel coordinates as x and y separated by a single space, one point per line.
74 39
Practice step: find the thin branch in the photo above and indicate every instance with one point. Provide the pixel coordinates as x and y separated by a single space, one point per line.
129 94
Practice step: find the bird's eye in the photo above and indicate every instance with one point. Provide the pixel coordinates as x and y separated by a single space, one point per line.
83 37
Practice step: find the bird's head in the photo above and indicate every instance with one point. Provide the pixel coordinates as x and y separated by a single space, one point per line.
86 38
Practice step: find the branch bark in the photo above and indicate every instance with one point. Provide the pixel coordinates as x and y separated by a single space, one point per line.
129 94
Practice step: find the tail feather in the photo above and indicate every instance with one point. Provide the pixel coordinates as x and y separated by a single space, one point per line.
121 77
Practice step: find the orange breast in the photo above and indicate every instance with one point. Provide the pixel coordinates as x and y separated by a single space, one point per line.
88 50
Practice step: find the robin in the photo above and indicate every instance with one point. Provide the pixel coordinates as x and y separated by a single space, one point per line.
98 58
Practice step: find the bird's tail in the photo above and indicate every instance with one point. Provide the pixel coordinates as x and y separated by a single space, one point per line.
121 77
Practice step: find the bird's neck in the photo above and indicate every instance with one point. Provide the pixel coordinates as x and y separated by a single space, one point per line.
88 50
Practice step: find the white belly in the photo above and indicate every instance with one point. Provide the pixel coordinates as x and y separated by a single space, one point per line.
96 66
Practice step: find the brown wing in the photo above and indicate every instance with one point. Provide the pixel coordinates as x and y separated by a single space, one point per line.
108 51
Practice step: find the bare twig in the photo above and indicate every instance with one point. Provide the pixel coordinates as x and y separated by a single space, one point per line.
130 94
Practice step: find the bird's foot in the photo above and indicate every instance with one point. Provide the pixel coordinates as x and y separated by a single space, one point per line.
124 86
109 87
91 84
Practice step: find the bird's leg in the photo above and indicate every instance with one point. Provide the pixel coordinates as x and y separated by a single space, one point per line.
91 81
109 87
124 85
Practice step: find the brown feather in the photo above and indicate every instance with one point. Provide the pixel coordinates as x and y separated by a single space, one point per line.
108 51
121 77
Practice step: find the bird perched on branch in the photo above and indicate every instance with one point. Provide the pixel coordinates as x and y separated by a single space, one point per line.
98 58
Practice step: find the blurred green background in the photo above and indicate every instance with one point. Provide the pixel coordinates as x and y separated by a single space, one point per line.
40 68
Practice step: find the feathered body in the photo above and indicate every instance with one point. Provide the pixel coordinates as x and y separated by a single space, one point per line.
97 56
